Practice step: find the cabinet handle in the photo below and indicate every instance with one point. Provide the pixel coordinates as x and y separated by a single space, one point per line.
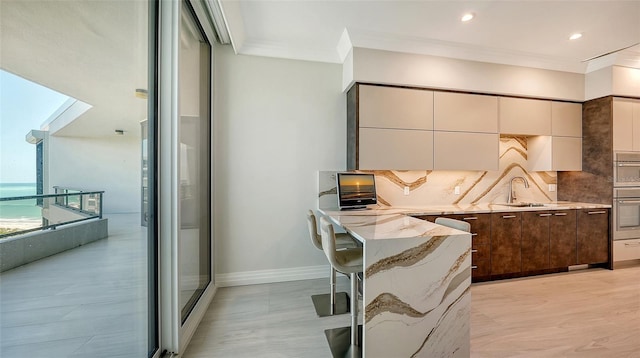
508 216
474 234
470 218
629 201
632 244
561 214
597 212
628 165
474 267
474 250
544 215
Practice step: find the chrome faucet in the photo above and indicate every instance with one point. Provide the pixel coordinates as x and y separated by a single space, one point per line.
512 194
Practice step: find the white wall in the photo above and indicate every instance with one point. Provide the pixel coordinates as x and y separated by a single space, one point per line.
613 80
397 68
626 81
110 164
278 123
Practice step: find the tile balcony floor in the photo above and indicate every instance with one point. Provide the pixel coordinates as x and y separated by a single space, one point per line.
90 301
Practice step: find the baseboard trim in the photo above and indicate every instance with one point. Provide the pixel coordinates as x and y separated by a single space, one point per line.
271 276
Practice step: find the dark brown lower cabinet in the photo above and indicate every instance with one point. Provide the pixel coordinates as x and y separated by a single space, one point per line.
513 244
593 236
535 240
480 242
506 241
562 239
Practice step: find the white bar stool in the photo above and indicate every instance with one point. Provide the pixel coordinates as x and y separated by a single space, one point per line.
349 261
332 303
454 224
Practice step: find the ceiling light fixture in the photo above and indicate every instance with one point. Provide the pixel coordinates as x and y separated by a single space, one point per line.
575 36
467 17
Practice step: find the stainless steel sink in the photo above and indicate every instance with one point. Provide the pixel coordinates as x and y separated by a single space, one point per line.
524 205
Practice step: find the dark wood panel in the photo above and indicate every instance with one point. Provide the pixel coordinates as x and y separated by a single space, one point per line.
352 128
480 227
481 269
480 253
592 184
562 239
535 240
593 236
505 243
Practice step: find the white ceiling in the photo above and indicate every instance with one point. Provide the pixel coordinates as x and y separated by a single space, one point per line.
527 33
94 51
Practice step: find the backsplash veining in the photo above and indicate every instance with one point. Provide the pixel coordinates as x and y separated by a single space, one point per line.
437 187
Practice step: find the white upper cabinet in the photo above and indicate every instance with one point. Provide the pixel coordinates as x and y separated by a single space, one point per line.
626 124
520 116
395 149
466 151
566 119
393 107
547 153
463 112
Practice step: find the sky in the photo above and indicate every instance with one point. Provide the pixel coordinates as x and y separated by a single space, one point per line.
24 105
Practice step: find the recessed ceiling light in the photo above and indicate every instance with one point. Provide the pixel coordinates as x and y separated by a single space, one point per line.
467 17
575 36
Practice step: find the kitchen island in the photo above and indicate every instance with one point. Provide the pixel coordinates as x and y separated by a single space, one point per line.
417 278
416 288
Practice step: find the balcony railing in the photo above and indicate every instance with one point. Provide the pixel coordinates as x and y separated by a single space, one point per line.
65 206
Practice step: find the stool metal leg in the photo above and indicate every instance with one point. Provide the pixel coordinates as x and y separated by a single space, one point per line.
332 303
354 309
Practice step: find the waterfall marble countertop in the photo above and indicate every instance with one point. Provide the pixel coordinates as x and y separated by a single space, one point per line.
463 209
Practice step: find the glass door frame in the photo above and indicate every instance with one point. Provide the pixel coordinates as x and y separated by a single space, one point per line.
174 334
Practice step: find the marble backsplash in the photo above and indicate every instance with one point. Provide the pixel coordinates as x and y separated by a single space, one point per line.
438 187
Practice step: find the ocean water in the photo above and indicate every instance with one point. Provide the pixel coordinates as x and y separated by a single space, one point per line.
18 209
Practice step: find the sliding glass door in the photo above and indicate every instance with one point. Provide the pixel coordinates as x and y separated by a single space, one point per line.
185 128
78 81
194 161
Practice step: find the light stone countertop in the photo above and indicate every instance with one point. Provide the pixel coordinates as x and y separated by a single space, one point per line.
464 208
376 225
382 223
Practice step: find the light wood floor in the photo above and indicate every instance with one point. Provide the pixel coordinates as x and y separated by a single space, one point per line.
588 313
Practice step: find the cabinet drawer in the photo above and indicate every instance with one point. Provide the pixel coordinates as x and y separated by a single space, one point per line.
481 268
480 253
465 112
395 149
392 107
524 116
566 119
626 250
465 151
480 227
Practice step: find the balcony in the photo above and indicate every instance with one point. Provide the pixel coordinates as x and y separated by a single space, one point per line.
74 282
90 301
69 218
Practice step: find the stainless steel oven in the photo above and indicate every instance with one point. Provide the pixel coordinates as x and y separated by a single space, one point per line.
626 213
626 169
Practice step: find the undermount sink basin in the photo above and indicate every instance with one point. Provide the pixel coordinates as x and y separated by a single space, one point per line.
524 205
